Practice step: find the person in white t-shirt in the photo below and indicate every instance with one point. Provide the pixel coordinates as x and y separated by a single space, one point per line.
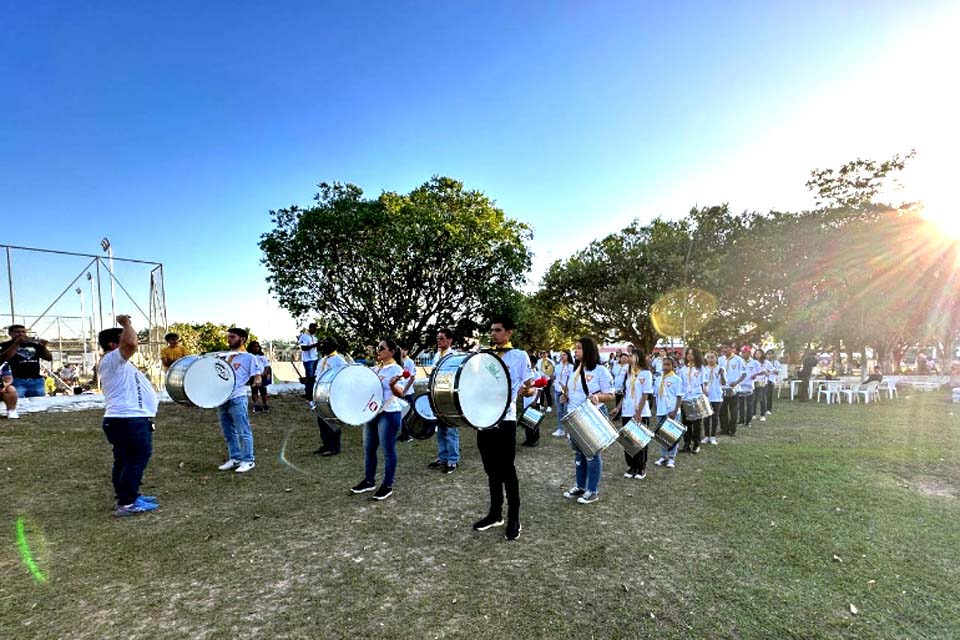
760 385
691 373
714 380
773 378
329 434
308 344
448 436
635 405
259 394
234 419
745 394
735 370
561 385
410 369
131 406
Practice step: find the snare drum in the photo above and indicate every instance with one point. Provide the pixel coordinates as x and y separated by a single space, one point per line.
350 396
669 433
205 381
421 423
729 392
697 408
470 390
589 429
634 437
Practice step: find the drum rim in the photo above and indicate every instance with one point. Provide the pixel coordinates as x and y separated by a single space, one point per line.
328 405
455 392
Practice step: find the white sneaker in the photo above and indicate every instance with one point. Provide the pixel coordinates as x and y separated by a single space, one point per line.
246 466
660 462
713 440
628 474
229 464
769 413
671 464
559 433
588 497
763 418
639 476
12 414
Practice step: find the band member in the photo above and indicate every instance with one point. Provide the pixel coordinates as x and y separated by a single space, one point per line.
448 437
735 370
131 406
669 396
773 378
329 434
234 419
760 385
634 406
259 394
545 369
497 446
620 371
411 371
692 375
562 379
308 354
381 432
591 382
714 379
745 395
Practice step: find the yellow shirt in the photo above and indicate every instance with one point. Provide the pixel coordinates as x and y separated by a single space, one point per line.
169 355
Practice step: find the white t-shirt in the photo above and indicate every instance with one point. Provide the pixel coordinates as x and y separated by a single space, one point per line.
633 394
773 371
332 361
263 361
385 372
518 364
711 378
722 361
734 368
761 380
657 365
692 382
310 354
127 392
441 354
668 389
410 367
751 367
598 380
620 372
245 366
563 373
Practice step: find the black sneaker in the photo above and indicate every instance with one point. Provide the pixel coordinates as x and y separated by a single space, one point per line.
383 492
363 487
488 522
320 451
329 452
265 408
404 437
513 530
696 449
530 443
437 464
449 468
256 408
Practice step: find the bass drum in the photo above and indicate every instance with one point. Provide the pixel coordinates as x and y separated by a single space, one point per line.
348 396
200 381
470 390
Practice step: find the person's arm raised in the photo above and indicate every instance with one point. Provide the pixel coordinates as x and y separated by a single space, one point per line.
128 339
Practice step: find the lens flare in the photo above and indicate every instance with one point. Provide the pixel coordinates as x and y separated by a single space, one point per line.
26 555
683 311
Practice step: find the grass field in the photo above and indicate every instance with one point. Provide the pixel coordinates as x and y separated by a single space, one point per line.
823 522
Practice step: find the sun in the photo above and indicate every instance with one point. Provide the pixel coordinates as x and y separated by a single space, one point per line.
945 223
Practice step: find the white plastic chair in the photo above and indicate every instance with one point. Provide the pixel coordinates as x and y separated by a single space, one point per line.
870 390
890 386
830 390
851 393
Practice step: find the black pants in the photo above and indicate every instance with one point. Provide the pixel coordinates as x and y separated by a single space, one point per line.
498 449
132 440
759 401
770 392
728 415
711 424
637 463
691 437
405 423
329 436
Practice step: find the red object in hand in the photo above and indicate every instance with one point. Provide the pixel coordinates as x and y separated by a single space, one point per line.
540 383
406 374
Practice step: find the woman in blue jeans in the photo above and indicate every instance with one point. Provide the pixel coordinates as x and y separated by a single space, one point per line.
561 383
590 382
381 432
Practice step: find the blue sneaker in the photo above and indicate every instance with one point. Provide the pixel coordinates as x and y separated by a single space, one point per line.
151 499
137 507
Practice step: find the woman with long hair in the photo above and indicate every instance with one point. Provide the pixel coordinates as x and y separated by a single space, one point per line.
381 432
635 406
692 376
591 382
714 380
563 372
266 377
669 390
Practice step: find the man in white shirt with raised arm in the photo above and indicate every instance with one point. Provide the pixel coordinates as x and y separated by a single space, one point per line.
131 406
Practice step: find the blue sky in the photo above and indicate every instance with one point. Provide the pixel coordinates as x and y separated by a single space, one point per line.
174 128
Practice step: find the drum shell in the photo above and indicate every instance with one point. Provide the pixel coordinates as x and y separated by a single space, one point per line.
445 381
634 437
669 433
729 392
323 401
531 417
175 381
696 409
589 429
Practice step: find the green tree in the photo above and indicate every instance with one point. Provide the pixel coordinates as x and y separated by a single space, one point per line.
401 265
206 337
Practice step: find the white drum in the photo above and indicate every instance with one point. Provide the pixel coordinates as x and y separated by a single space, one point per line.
470 390
200 381
421 406
348 396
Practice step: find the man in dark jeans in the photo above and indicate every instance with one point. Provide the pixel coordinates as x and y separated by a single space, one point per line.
806 370
131 406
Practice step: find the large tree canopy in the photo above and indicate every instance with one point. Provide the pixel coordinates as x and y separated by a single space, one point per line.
401 265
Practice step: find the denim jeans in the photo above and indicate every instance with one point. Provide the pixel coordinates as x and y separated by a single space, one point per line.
448 444
561 408
29 387
235 423
381 432
664 452
588 471
309 368
746 408
132 443
759 406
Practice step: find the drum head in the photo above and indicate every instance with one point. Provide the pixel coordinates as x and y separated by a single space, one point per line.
483 390
421 405
208 382
355 395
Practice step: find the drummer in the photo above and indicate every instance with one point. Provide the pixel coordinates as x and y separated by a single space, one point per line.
448 437
669 395
234 419
497 445
590 382
635 406
332 360
381 432
410 367
714 379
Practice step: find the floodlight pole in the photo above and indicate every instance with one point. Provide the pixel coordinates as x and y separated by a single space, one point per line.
83 330
105 243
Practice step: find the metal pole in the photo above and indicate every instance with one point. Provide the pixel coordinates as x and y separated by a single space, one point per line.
93 309
83 332
99 297
10 285
113 291
59 342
